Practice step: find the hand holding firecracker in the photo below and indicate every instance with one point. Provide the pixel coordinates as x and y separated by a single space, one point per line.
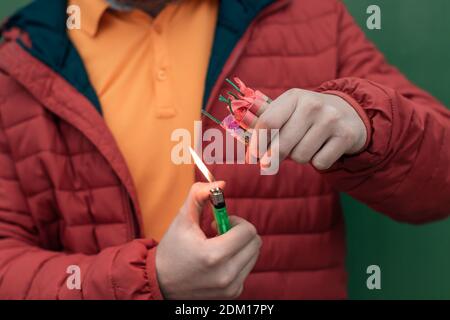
316 127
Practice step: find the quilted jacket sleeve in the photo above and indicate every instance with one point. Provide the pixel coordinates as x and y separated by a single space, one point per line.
404 171
29 272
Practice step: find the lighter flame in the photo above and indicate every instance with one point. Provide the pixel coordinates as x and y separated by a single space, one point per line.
201 166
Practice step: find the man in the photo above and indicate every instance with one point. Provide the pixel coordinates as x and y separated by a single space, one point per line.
85 173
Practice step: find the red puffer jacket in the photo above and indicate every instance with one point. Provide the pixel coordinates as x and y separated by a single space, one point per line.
67 198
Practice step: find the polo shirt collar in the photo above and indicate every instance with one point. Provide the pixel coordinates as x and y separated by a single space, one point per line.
92 12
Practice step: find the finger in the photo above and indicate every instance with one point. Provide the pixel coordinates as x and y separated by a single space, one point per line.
329 154
259 142
214 225
291 133
231 287
249 120
238 284
198 195
228 244
276 115
280 110
311 143
240 260
260 107
230 269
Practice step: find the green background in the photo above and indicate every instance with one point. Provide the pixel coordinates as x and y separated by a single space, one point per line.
414 261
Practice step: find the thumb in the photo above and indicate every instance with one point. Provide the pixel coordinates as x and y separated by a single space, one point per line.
198 196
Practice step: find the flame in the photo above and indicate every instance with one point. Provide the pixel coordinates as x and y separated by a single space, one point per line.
201 166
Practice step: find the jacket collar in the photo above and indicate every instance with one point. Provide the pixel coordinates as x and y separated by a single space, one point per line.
44 23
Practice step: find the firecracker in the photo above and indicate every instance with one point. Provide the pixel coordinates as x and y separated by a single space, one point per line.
244 105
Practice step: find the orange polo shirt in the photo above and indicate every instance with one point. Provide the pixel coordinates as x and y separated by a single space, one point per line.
149 74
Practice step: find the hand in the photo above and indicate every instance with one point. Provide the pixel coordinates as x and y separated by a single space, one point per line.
190 266
313 127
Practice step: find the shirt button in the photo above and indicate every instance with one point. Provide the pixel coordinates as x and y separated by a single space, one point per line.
162 75
165 112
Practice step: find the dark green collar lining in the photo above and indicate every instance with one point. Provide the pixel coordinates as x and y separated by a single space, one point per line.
45 23
234 18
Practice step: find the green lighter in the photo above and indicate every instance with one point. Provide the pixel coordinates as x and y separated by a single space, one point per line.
220 210
216 197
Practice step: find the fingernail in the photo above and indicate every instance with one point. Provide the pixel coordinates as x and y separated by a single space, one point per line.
264 161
